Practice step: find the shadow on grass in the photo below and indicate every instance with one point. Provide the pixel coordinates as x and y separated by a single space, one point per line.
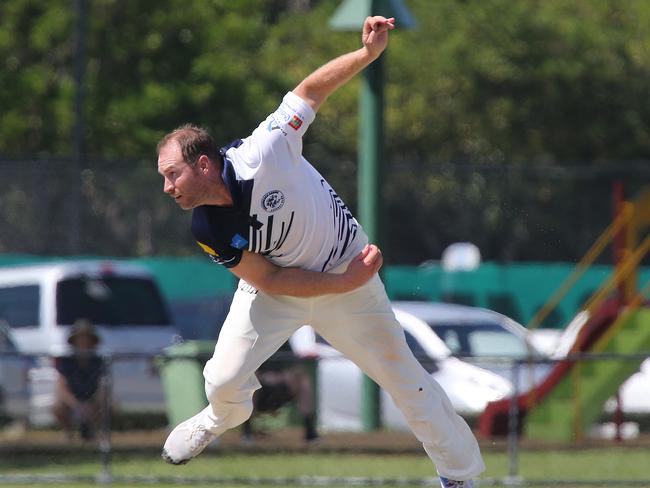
62 459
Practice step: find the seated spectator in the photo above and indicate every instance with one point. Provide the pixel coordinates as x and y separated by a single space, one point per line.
79 391
284 380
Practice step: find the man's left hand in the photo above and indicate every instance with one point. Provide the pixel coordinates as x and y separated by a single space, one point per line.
365 265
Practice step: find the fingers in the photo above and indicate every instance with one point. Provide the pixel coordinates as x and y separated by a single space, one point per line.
373 256
379 24
362 255
377 259
370 257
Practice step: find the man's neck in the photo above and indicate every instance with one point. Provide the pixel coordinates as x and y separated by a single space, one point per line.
220 195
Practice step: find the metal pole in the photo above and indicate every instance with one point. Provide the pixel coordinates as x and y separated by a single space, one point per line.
106 476
513 425
74 214
371 147
369 184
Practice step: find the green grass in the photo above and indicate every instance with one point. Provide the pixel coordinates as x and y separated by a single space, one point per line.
588 464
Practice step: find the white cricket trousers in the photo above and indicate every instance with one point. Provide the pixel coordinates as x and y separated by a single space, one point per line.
362 326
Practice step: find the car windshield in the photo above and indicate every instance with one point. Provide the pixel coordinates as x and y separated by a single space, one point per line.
418 351
480 339
6 344
110 300
19 305
200 319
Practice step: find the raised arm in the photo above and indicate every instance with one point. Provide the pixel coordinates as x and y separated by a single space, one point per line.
269 278
325 80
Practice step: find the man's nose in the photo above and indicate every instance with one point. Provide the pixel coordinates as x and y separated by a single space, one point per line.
168 187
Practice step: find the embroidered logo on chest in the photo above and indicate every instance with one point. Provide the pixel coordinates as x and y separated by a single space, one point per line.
273 200
239 242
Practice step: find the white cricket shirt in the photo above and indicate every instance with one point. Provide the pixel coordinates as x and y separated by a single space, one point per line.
283 208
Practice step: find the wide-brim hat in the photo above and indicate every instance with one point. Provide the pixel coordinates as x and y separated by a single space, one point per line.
82 327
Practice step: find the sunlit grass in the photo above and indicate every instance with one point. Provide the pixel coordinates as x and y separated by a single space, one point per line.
587 464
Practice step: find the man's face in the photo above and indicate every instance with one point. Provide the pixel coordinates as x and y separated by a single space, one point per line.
181 181
84 342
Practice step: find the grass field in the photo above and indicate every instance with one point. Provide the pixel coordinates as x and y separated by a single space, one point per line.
615 463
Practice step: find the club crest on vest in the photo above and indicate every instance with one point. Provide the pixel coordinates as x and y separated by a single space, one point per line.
273 200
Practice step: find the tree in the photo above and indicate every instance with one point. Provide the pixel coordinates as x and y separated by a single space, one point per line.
497 112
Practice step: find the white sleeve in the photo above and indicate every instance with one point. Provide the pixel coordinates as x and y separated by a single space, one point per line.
277 140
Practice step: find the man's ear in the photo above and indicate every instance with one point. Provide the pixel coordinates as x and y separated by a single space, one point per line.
203 164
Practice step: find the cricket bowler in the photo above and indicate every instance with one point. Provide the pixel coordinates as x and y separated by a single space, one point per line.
263 211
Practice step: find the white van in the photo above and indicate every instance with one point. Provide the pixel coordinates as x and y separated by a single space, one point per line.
41 302
14 378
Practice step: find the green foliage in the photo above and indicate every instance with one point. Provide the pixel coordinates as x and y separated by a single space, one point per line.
36 94
491 80
528 80
487 82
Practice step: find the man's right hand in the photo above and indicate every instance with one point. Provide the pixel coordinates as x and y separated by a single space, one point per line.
375 34
364 266
321 83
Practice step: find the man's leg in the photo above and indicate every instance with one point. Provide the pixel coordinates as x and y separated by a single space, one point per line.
362 326
63 414
256 326
302 391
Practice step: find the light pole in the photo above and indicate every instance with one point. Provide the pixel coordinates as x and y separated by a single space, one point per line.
350 16
78 158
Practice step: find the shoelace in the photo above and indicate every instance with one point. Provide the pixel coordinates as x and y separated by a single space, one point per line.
199 437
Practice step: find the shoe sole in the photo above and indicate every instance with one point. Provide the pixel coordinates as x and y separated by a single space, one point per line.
170 460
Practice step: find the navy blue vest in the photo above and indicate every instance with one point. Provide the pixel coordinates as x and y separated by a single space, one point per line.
222 232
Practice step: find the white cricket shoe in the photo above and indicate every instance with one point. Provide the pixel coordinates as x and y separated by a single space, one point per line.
188 439
447 483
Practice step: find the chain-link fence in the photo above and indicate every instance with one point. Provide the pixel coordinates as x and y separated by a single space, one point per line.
123 442
122 210
512 212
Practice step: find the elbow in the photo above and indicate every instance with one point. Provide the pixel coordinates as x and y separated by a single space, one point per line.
309 94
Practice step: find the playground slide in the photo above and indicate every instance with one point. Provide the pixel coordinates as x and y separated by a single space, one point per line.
574 394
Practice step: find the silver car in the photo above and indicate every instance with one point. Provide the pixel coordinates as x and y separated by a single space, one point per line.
339 380
14 377
482 337
470 388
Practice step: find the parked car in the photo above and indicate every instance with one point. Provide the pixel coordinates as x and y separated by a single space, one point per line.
200 318
339 380
482 337
14 378
469 387
41 302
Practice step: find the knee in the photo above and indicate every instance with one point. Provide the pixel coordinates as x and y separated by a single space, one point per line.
230 404
219 392
230 390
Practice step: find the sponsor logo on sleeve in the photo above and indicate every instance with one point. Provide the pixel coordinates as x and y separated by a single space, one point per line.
274 124
296 122
238 242
281 114
207 249
273 200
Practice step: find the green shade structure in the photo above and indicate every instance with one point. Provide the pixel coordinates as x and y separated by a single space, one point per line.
350 16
